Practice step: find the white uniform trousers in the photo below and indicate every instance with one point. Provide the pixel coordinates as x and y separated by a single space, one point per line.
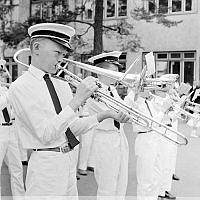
52 175
169 154
111 165
22 151
9 152
85 150
148 169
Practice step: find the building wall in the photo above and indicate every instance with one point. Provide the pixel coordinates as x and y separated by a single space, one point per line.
183 37
154 37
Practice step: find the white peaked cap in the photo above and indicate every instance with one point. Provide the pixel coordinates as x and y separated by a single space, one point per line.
111 56
59 33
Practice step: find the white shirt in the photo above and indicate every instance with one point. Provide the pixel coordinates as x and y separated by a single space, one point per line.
5 131
106 126
3 102
151 111
36 120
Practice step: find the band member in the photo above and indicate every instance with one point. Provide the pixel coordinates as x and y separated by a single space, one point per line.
109 145
168 150
45 111
9 151
147 146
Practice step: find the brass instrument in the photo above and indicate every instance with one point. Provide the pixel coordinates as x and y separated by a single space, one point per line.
184 107
130 80
137 117
178 109
184 111
191 106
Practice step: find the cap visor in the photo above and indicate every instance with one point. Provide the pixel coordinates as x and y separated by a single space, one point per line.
64 44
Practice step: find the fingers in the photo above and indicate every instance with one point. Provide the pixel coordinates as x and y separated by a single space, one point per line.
123 117
90 83
86 88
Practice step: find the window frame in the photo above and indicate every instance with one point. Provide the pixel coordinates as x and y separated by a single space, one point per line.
182 60
183 8
105 12
10 64
41 9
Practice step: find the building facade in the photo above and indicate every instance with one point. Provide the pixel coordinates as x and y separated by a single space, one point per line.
176 49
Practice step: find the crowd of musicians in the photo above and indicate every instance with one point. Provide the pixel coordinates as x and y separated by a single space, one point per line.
41 115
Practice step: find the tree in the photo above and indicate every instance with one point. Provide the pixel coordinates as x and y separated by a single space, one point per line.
15 33
5 15
98 27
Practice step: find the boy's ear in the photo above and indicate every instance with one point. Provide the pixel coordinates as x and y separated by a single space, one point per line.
36 47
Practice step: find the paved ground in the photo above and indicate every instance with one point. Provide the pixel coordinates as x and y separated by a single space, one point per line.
188 169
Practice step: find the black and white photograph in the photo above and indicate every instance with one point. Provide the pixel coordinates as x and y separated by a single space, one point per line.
100 99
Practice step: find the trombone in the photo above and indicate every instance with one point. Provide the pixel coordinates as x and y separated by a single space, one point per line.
132 81
136 116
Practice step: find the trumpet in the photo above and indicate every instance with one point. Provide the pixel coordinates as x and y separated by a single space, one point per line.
184 107
184 111
189 105
136 116
179 109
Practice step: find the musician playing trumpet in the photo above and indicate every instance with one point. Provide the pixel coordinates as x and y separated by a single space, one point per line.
45 112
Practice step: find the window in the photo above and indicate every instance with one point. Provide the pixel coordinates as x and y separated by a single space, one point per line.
115 8
112 9
182 63
122 8
163 6
176 5
162 55
12 68
89 10
175 55
48 8
170 6
152 7
188 71
188 5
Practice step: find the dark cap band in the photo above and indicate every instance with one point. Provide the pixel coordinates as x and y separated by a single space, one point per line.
50 33
104 59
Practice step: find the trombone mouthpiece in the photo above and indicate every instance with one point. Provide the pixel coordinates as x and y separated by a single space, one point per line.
98 84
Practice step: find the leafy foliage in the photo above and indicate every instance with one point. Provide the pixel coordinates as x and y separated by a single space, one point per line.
140 13
13 33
